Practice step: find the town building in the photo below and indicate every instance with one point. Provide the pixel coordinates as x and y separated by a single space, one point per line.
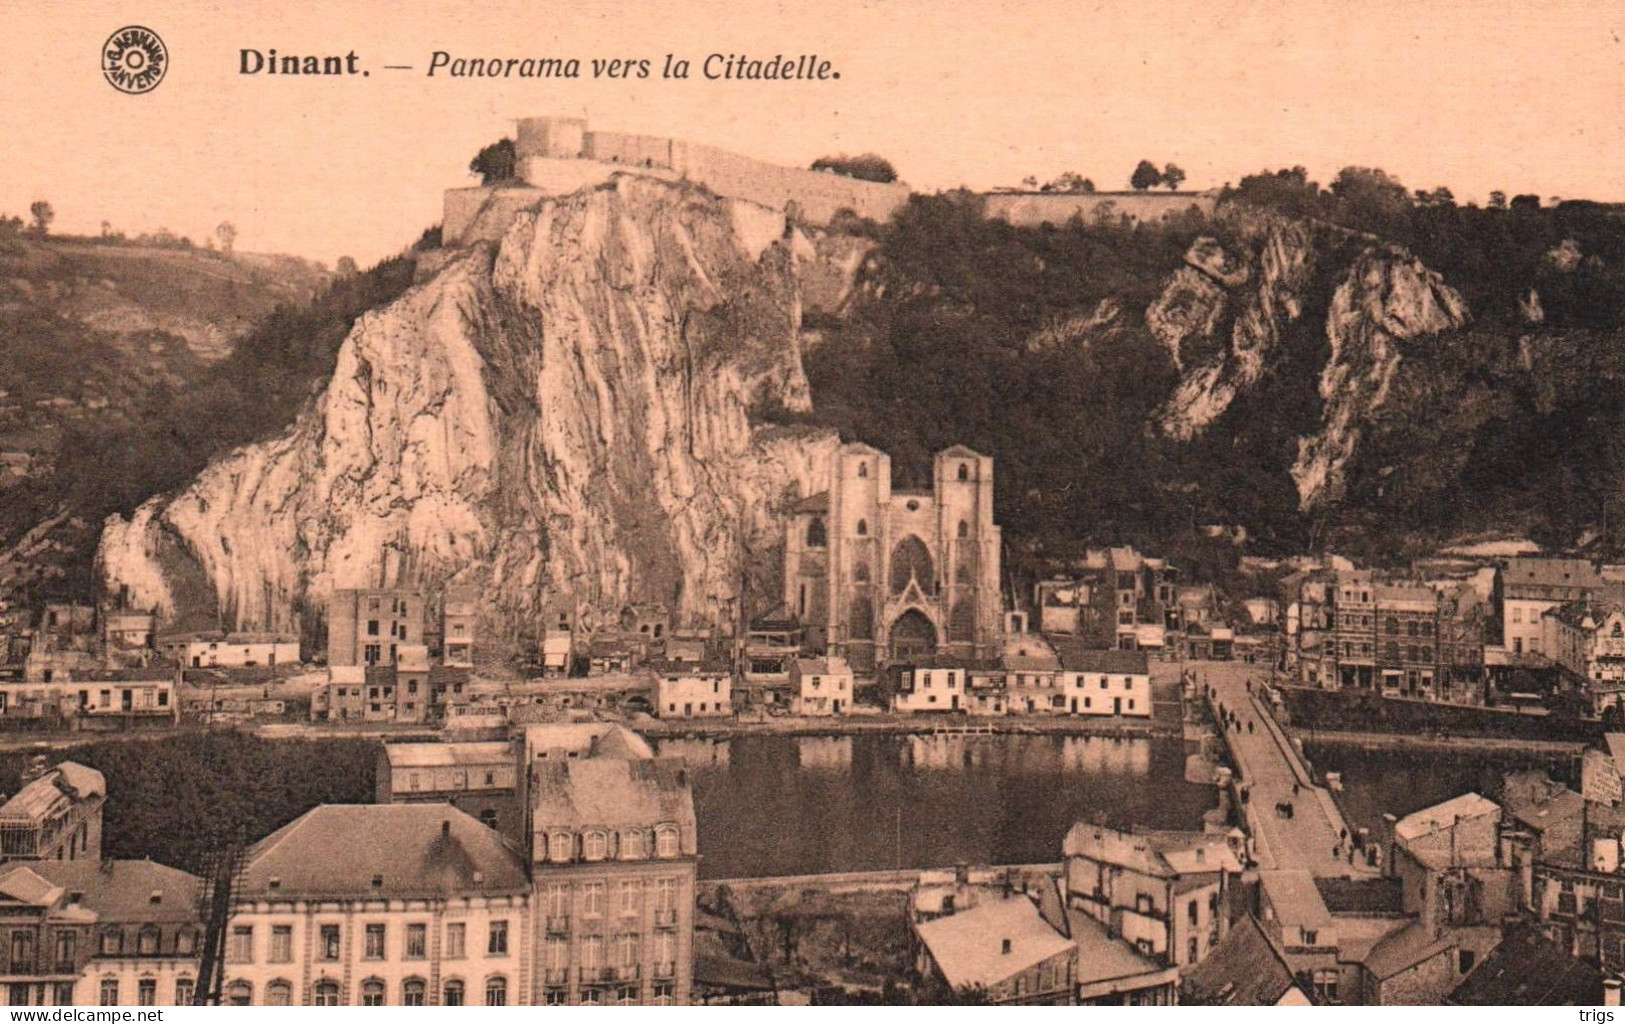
481 779
1528 969
1527 588
1586 639
56 816
381 905
772 644
1244 969
1113 597
931 684
1104 682
880 575
49 938
820 686
613 846
692 689
141 944
95 698
459 617
1164 893
368 627
127 629
229 650
1001 949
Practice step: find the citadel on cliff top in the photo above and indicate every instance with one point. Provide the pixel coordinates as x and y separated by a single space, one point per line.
558 155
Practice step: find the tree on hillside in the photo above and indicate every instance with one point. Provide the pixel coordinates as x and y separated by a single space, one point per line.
1070 181
1173 176
227 233
1370 199
1145 176
1526 201
42 213
107 229
1288 190
345 267
495 163
1498 200
864 167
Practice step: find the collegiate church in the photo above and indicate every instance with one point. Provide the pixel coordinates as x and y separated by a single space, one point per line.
886 575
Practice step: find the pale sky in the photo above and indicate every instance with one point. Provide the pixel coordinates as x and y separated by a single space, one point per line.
1482 95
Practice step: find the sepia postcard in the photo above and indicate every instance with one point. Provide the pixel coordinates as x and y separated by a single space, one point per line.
777 503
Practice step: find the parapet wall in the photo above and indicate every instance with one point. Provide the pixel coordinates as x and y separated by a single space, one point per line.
1030 209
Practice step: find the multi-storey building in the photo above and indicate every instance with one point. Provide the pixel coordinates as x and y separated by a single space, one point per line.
1164 893
1094 682
459 617
613 846
368 627
1354 629
1112 597
1587 639
480 779
692 689
1407 636
229 650
1527 588
820 686
381 905
145 935
48 939
57 816
881 575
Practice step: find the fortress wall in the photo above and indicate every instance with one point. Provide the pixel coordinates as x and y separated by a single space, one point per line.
818 194
638 150
1030 209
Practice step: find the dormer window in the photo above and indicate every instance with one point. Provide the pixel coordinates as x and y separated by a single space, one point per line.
634 846
147 943
666 841
560 846
594 845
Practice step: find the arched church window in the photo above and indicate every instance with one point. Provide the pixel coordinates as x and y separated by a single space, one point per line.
815 533
863 527
964 529
964 471
863 469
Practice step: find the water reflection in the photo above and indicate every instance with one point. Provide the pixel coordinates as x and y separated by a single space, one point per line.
776 805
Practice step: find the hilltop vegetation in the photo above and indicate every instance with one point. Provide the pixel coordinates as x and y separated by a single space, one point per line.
1031 344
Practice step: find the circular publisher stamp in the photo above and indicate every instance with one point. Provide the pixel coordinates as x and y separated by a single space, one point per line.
134 59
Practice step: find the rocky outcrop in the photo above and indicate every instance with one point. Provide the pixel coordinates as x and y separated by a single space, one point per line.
1387 297
1258 290
560 417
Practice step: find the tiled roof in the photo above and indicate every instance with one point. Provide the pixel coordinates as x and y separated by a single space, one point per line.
1362 895
434 755
1444 816
1405 948
968 947
67 781
1528 970
823 666
611 792
422 850
127 891
1077 658
1295 898
1244 969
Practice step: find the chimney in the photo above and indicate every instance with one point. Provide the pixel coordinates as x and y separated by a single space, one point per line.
1006 952
1610 991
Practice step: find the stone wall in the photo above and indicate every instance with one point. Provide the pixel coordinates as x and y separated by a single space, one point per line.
1030 209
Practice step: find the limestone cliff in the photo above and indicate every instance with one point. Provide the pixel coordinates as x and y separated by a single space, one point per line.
1222 314
560 417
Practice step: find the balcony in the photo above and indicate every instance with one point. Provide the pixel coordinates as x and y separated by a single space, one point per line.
665 918
597 975
626 972
666 970
557 976
558 924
